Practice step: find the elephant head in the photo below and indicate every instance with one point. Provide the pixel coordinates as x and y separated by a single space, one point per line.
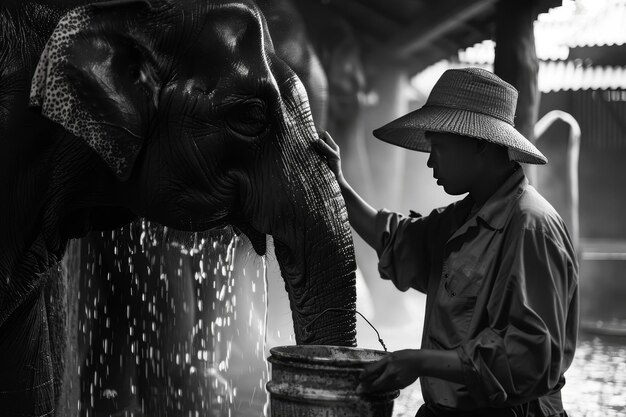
204 126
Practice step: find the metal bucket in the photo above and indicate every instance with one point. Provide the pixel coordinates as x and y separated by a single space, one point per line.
321 381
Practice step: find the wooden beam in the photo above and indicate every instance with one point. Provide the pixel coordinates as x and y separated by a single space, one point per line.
365 18
435 25
516 62
516 59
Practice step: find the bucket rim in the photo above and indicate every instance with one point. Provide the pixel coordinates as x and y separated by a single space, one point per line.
346 355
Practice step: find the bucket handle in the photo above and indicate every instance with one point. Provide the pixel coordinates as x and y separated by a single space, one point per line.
380 340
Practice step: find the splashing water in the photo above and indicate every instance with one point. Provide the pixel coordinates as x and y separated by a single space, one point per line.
267 309
172 324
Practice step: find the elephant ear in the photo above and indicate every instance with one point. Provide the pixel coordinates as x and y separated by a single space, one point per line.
99 82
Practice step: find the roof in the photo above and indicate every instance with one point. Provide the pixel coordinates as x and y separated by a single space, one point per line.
416 32
581 46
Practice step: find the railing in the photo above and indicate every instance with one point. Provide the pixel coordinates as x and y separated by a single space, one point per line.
573 152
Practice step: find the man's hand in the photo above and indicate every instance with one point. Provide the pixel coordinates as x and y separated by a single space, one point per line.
400 369
329 150
362 216
397 370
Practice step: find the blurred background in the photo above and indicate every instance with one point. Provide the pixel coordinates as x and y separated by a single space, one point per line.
380 59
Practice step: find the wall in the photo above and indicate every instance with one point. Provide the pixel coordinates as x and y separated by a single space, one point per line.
602 177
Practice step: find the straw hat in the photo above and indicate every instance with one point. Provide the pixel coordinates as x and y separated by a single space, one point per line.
470 102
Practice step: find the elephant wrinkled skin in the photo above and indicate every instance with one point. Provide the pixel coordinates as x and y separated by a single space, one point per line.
179 112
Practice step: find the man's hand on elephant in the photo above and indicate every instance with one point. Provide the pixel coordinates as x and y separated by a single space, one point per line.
397 370
362 216
329 149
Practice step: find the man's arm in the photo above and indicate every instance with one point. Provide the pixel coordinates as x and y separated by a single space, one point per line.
362 216
400 369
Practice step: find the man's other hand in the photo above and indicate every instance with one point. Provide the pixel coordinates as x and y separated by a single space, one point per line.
397 370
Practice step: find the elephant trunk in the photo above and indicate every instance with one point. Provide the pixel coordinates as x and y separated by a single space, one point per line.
317 261
313 243
292 195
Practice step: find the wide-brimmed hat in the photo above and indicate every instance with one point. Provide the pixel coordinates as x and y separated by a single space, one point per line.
470 102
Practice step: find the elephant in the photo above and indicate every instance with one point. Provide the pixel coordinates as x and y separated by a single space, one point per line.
179 112
112 296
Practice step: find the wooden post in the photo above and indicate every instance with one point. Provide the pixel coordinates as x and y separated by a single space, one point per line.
516 61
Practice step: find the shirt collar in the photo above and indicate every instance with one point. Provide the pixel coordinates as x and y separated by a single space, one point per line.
496 210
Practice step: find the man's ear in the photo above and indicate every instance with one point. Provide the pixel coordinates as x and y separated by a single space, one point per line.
99 82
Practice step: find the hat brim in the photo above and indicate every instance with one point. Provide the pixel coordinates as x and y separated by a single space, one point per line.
408 131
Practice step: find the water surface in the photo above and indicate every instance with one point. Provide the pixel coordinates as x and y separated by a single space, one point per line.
595 383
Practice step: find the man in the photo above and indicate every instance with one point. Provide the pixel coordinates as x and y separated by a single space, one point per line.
498 267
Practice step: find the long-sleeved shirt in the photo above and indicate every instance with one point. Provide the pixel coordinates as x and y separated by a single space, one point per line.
502 291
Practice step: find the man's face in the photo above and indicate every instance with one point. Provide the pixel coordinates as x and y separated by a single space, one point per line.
453 160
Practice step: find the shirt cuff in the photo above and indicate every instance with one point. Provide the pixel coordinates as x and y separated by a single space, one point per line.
382 229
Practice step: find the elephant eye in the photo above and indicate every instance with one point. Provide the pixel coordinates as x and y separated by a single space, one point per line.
248 119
